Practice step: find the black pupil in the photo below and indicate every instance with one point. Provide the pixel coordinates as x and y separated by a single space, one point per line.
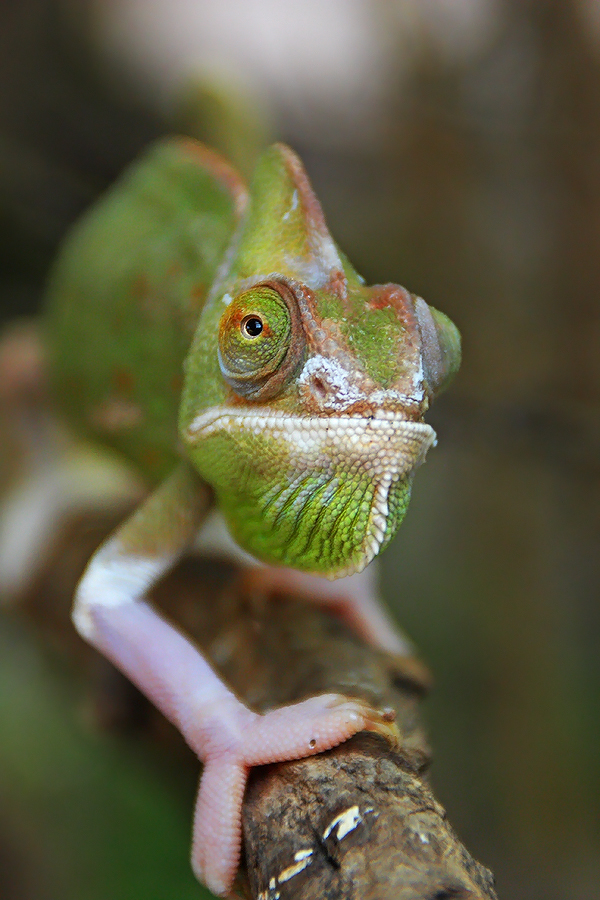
253 326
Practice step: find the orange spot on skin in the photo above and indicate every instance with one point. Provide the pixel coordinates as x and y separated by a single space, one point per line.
123 380
197 295
390 295
150 459
140 287
337 284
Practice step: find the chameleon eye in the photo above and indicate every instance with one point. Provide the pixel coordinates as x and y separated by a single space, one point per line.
259 334
252 326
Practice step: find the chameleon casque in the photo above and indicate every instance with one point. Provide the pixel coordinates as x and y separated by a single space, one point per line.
217 337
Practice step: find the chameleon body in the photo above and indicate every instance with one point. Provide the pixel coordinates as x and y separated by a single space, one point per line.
218 338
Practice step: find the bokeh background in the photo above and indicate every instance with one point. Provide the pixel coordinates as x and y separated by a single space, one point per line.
455 145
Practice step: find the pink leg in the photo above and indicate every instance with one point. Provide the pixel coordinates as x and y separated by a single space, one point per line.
353 598
111 614
227 736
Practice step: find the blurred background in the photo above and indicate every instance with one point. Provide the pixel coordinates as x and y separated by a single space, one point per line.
455 146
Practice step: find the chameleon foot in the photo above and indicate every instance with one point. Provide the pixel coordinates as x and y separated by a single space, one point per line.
232 739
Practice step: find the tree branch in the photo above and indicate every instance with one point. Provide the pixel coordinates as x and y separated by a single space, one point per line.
357 822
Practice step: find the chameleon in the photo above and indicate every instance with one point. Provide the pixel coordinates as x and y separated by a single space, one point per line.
216 336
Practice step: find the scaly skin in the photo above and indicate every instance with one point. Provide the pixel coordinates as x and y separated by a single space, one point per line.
314 474
301 396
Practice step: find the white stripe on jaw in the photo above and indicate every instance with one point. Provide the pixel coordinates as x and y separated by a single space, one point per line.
387 446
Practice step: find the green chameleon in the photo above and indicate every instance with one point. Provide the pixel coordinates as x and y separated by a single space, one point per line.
218 338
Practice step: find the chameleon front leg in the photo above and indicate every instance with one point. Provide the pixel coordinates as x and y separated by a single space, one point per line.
228 737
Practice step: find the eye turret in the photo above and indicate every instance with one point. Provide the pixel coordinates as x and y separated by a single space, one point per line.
260 341
440 347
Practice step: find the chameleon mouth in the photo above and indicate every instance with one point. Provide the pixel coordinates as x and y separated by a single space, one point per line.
347 475
352 432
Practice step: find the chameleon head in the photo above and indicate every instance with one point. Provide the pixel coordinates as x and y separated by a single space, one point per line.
305 390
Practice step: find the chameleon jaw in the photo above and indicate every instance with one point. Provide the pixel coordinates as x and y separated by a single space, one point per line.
339 426
340 485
